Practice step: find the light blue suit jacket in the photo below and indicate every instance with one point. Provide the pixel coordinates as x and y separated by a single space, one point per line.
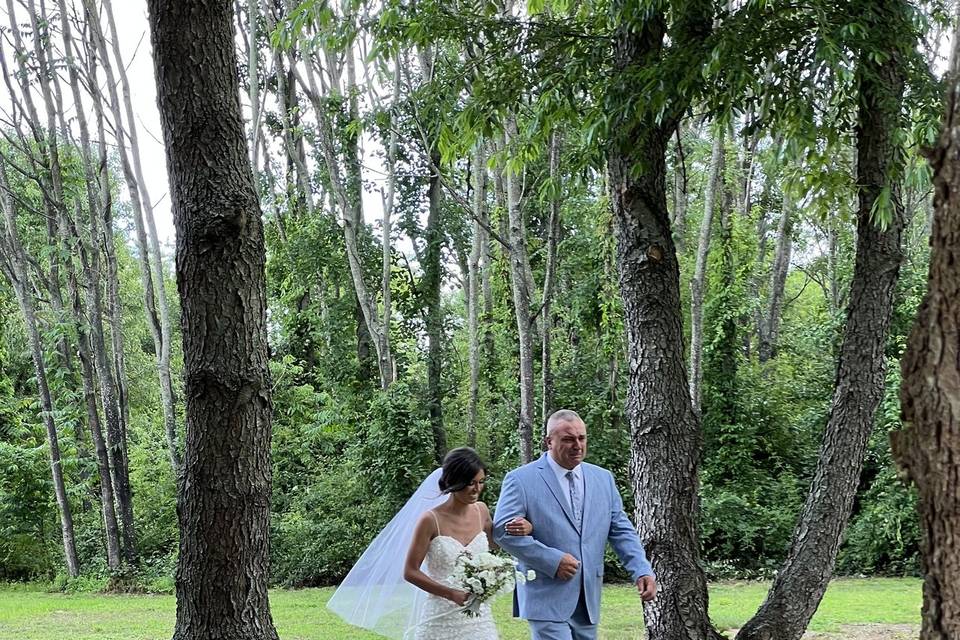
532 491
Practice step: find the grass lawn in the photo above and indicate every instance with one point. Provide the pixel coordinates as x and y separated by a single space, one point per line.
300 615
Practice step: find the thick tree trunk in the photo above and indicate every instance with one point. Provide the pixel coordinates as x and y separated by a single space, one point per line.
928 446
699 280
770 331
802 580
13 261
663 423
224 501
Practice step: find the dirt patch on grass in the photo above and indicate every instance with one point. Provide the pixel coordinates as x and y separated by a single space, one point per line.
861 632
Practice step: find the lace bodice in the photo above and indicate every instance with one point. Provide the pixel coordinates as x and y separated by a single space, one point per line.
443 553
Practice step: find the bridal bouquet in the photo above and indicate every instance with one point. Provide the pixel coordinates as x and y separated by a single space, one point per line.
484 575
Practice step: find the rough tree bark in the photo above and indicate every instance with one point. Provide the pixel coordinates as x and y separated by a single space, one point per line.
224 501
927 448
802 580
664 425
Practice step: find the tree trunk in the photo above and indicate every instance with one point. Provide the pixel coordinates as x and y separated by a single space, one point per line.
799 585
153 281
680 193
474 277
347 198
14 263
549 280
486 286
522 296
88 375
770 333
432 280
927 448
224 501
698 282
664 425
116 447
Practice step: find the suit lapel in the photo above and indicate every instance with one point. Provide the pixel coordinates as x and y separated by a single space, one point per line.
546 472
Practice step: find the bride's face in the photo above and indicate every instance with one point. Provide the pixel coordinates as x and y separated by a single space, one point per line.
471 493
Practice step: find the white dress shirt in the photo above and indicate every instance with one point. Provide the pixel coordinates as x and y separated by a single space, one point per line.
561 474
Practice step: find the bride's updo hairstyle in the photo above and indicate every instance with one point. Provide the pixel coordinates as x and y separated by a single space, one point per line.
460 467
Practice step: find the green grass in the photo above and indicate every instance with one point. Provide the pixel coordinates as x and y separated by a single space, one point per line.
300 615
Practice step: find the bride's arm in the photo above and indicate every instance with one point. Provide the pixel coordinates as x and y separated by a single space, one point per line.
519 526
424 532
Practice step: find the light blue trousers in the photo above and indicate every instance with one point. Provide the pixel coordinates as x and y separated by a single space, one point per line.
578 627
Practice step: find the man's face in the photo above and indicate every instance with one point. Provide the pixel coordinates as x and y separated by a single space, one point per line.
567 443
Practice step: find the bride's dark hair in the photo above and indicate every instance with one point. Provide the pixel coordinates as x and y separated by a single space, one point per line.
460 467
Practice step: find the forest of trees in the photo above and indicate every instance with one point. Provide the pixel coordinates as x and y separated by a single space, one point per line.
705 226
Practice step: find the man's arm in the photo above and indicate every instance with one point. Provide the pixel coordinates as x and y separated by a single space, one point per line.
624 539
512 503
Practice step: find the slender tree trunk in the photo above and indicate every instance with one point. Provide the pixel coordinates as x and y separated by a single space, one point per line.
346 195
387 229
88 375
107 496
14 262
549 280
799 585
770 333
146 228
698 282
474 276
432 280
680 192
253 78
224 502
927 448
522 296
116 447
486 286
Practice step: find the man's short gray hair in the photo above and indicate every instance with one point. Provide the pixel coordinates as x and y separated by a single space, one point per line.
561 416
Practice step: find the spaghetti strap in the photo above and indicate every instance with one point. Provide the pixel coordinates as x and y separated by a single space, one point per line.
435 520
479 515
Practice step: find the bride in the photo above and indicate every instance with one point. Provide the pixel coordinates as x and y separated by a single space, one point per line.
411 596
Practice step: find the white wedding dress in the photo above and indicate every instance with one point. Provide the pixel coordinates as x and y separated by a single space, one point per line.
442 619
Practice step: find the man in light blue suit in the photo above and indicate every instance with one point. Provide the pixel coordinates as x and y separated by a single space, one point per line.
575 509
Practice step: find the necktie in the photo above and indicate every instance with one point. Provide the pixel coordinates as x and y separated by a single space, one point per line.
575 500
